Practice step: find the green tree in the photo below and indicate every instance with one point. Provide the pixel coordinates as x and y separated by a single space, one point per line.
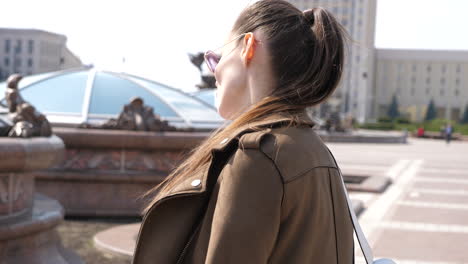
431 112
464 120
393 110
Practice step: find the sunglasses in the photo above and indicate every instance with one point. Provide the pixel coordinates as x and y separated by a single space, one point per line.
212 58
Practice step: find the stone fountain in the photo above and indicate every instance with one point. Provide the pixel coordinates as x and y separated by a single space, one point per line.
108 167
28 220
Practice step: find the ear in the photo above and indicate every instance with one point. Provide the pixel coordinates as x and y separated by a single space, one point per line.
248 48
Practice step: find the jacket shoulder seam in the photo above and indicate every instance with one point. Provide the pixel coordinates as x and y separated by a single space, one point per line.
304 172
334 217
279 174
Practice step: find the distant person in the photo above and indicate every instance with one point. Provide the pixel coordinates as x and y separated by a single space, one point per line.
448 133
264 188
420 132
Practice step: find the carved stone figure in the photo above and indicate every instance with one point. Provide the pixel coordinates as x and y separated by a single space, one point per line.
27 122
12 95
208 80
197 60
137 116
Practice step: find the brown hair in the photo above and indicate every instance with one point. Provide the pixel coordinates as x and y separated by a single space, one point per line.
306 55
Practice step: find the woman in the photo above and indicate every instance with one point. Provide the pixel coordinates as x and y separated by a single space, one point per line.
264 189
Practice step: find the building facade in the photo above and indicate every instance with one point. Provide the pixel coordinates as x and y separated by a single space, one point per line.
31 51
416 77
356 93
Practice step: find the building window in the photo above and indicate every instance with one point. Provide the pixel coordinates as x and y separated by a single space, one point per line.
412 91
414 67
428 90
30 62
442 81
413 79
429 68
17 62
30 46
457 81
7 45
457 92
18 46
458 68
444 68
6 62
442 92
428 80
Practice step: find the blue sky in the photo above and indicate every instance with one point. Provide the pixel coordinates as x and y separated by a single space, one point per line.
155 36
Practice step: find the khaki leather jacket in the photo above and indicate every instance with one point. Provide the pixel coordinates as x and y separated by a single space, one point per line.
268 196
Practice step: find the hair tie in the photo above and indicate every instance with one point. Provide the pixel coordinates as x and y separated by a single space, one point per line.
309 16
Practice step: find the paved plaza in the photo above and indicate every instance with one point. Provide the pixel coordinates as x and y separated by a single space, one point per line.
423 216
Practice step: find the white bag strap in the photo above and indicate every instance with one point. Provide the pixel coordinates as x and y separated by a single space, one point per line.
365 248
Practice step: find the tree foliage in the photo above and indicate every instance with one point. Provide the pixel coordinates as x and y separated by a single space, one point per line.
393 111
431 112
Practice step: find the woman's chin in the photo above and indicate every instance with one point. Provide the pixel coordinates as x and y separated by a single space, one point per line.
227 115
223 115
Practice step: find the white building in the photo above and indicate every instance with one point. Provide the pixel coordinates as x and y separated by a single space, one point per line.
357 93
417 76
31 51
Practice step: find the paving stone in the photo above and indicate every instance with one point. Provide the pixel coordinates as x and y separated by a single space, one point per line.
423 246
426 220
437 195
440 185
431 215
77 234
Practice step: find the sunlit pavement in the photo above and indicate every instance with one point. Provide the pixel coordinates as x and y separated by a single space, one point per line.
423 216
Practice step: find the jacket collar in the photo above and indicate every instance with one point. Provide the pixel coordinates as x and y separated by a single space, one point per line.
197 182
267 122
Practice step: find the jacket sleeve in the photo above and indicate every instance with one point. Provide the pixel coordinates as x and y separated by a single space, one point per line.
246 219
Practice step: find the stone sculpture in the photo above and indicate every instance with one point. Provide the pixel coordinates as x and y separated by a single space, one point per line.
12 95
208 79
27 122
137 116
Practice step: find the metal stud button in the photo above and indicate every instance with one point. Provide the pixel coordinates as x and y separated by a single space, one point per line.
224 140
196 182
